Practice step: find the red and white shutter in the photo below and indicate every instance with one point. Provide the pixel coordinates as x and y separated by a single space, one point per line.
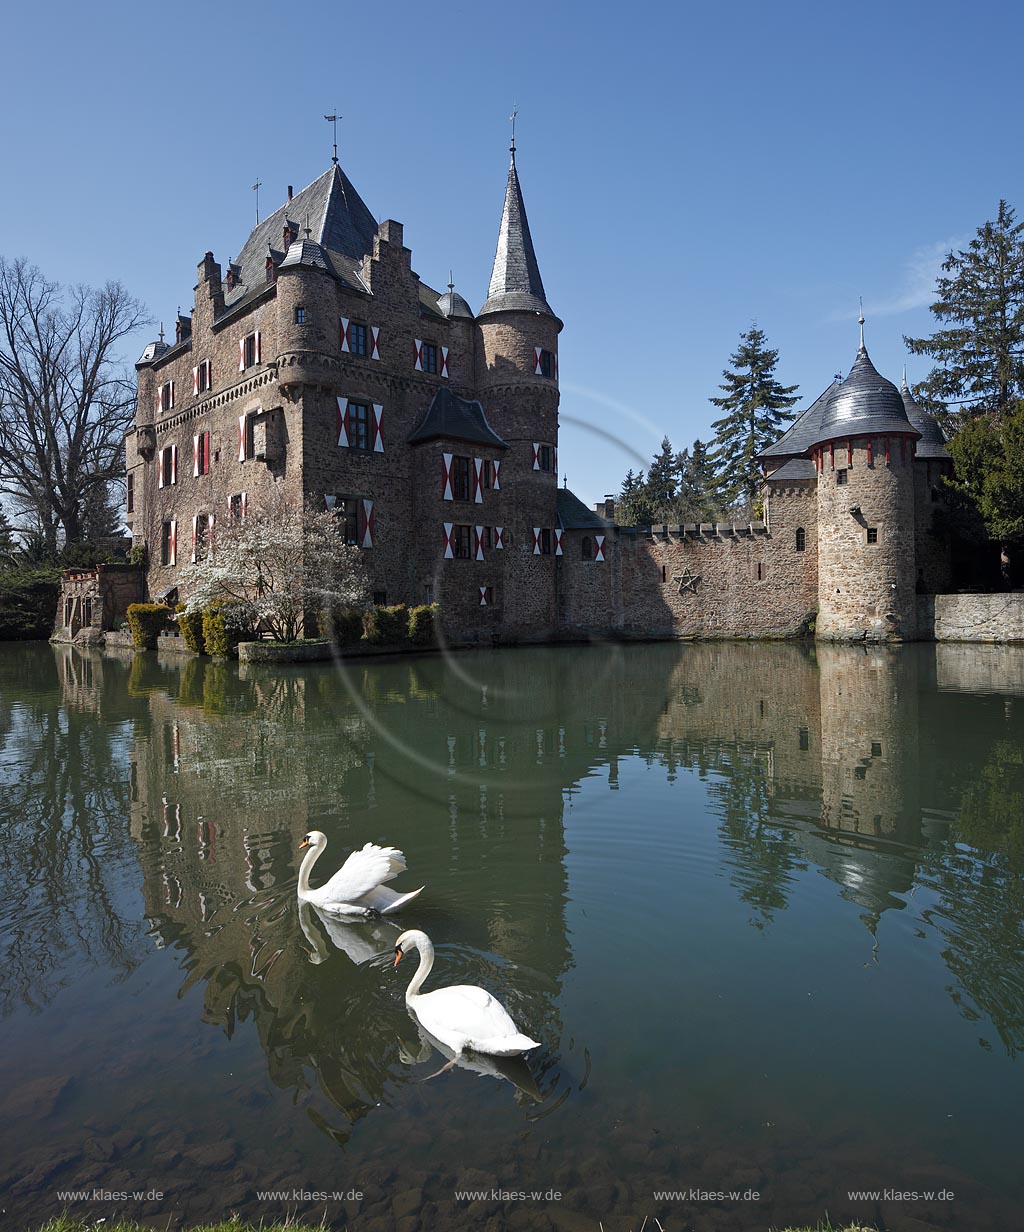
171 394
241 438
558 542
241 355
446 464
245 504
449 551
375 342
599 547
444 361
366 523
195 381
496 484
210 519
343 423
159 399
205 447
478 481
259 347
343 333
483 596
536 540
160 468
536 455
195 536
329 502
554 461
209 373
537 369
174 464
478 544
173 554
196 445
378 439
555 360
417 354
499 536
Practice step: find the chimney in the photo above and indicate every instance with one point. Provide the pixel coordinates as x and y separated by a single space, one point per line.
209 275
289 192
609 506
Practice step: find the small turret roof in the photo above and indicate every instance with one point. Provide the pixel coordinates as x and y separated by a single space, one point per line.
450 417
309 253
451 305
800 435
516 283
932 443
574 515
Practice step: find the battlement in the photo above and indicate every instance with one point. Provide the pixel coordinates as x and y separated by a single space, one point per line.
710 531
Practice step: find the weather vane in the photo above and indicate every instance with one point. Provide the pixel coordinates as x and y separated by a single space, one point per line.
256 189
512 118
333 120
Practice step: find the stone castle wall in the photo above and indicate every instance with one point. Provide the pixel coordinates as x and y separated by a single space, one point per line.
971 618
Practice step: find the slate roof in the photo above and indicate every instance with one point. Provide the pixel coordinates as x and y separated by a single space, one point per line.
795 468
574 515
800 435
309 253
516 283
338 220
932 443
865 404
451 304
453 418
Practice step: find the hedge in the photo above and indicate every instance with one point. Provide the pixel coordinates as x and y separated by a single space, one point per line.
28 601
220 635
386 626
191 626
147 621
343 627
423 622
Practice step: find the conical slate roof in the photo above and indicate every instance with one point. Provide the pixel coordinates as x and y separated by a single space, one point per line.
309 253
516 284
451 304
932 443
865 404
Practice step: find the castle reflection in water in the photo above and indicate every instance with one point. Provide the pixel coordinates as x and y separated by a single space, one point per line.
838 760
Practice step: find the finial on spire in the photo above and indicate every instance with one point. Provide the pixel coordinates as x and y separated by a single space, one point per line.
161 331
905 385
451 282
861 320
512 118
306 228
333 119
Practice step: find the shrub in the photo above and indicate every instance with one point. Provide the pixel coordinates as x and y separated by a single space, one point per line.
222 630
138 555
191 626
386 626
423 622
343 627
147 621
28 600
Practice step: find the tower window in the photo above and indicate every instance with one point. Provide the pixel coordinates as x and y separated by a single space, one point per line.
547 365
346 513
131 501
840 478
876 748
358 425
760 571
801 539
545 542
300 316
429 357
805 739
356 338
545 457
460 478
249 351
587 552
872 534
462 542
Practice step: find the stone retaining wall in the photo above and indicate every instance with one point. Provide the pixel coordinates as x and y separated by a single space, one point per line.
971 618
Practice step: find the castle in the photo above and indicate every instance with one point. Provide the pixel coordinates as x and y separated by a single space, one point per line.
321 361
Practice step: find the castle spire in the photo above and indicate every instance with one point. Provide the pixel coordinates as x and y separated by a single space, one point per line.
516 283
861 320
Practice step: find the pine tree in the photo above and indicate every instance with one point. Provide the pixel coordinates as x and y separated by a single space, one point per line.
8 544
981 301
757 411
697 484
663 477
634 506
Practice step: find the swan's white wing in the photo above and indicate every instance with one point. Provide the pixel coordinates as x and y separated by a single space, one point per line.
363 871
464 1015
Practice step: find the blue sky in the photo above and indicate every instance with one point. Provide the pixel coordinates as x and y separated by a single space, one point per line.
687 168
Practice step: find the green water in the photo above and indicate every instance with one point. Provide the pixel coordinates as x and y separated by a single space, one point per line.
761 905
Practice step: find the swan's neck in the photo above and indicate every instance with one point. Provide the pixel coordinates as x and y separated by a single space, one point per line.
423 970
306 867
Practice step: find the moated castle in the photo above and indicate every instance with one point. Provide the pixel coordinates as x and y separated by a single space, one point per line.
321 361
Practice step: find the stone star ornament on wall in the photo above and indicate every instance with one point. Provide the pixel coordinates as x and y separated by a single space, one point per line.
687 581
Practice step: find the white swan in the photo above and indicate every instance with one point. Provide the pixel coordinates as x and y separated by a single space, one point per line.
356 888
461 1017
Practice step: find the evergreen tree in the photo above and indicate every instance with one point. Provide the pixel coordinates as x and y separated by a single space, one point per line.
8 543
697 484
634 506
663 477
756 410
980 300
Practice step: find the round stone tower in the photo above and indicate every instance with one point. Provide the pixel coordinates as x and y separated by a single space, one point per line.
864 454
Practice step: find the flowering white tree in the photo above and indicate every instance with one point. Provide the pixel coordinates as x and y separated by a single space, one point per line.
275 565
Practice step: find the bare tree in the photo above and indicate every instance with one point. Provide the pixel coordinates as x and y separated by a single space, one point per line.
66 401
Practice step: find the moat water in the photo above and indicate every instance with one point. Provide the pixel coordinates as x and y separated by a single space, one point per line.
761 904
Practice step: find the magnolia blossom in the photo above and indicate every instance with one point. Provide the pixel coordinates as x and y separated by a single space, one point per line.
277 564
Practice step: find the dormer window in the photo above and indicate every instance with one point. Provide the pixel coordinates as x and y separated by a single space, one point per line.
270 269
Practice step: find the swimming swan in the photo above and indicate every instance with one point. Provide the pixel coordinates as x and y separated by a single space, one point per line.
461 1017
356 888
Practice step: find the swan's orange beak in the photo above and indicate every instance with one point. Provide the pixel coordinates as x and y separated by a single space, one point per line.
304 843
398 957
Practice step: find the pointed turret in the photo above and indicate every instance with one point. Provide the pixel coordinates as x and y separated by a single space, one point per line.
932 443
516 283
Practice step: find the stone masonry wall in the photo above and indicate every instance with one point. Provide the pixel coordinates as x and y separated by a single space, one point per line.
931 548
971 618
